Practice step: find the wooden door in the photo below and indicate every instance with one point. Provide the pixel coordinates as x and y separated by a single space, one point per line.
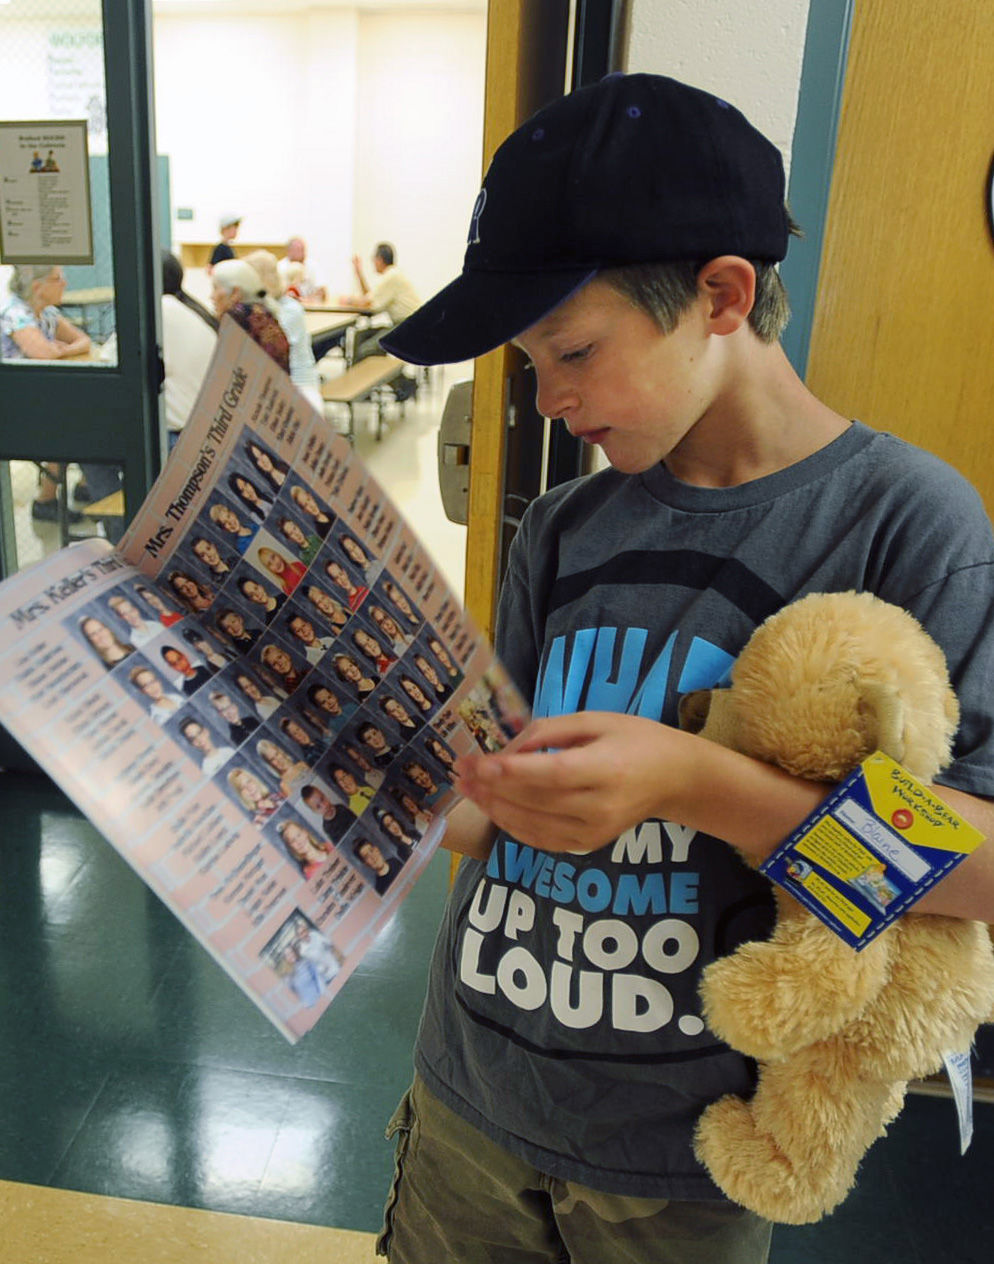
526 68
903 333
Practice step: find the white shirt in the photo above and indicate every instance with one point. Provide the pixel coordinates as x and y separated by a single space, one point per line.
144 632
166 707
306 284
303 370
216 760
188 343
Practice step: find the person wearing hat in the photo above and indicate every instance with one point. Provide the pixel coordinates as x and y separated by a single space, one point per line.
228 226
626 239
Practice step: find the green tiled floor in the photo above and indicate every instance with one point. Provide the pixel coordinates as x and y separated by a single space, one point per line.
131 1065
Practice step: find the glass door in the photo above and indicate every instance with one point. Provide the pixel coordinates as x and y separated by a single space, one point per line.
79 364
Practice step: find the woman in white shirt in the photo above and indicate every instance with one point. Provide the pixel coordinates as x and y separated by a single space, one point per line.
189 339
290 314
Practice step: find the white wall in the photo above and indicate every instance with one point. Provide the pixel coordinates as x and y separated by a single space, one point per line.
420 139
344 125
750 53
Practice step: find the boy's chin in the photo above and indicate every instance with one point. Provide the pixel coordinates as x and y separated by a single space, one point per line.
628 463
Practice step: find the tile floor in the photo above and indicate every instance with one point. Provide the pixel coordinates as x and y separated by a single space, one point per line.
132 1069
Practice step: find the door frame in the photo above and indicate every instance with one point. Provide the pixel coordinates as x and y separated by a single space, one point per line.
108 413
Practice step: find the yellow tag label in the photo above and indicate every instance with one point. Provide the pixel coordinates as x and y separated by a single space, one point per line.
915 811
831 845
827 896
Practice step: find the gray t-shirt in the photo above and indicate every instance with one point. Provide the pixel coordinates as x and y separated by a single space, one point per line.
562 1017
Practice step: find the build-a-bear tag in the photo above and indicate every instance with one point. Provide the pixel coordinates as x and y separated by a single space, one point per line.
960 1074
873 847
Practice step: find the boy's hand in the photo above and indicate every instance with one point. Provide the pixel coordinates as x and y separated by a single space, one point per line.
575 782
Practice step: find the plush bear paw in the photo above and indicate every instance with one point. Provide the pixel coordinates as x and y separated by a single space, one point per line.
749 1166
768 1000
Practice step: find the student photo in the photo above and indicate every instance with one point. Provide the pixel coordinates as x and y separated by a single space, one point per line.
261 598
195 596
334 819
280 662
371 649
398 715
357 680
324 604
190 671
238 528
397 639
283 764
267 465
231 624
303 742
257 800
382 865
250 496
165 611
286 572
304 543
140 629
307 637
162 701
263 702
210 557
328 702
356 794
105 643
318 515
353 552
240 723
211 755
309 852
343 585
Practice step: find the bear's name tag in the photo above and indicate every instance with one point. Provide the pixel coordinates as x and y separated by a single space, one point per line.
873 847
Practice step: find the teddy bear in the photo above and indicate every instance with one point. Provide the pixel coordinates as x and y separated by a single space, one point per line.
837 1034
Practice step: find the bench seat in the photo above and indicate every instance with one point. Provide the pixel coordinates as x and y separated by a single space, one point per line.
363 381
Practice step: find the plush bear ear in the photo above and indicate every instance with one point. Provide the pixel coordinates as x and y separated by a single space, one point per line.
882 709
693 710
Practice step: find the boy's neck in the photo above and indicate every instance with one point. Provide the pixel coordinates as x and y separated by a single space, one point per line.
764 420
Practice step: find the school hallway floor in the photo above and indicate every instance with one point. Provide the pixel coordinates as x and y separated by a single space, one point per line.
149 1114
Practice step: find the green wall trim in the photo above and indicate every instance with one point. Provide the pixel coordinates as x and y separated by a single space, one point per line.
823 72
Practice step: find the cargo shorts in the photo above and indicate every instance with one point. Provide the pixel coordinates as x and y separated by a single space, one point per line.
458 1198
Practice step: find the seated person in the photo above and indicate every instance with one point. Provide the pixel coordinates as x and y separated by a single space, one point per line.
393 295
33 328
31 325
238 292
189 338
290 314
296 276
228 226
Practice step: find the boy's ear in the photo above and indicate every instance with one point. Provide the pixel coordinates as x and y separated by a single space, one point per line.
730 285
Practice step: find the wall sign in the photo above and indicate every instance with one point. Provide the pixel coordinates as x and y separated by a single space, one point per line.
45 193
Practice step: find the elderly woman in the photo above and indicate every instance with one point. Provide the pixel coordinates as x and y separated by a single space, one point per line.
238 292
33 328
31 325
290 314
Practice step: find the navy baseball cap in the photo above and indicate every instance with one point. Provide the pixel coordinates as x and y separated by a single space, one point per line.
633 169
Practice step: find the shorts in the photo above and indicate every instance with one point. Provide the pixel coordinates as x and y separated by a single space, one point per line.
458 1197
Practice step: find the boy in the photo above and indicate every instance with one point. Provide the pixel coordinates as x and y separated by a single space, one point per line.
626 238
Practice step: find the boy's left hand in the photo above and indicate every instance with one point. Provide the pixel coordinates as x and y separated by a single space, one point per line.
575 782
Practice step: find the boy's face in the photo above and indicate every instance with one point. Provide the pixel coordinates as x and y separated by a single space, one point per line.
616 379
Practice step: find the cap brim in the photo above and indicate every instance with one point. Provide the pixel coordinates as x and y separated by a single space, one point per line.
479 311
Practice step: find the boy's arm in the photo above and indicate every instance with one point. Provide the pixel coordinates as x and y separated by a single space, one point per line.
578 781
468 831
